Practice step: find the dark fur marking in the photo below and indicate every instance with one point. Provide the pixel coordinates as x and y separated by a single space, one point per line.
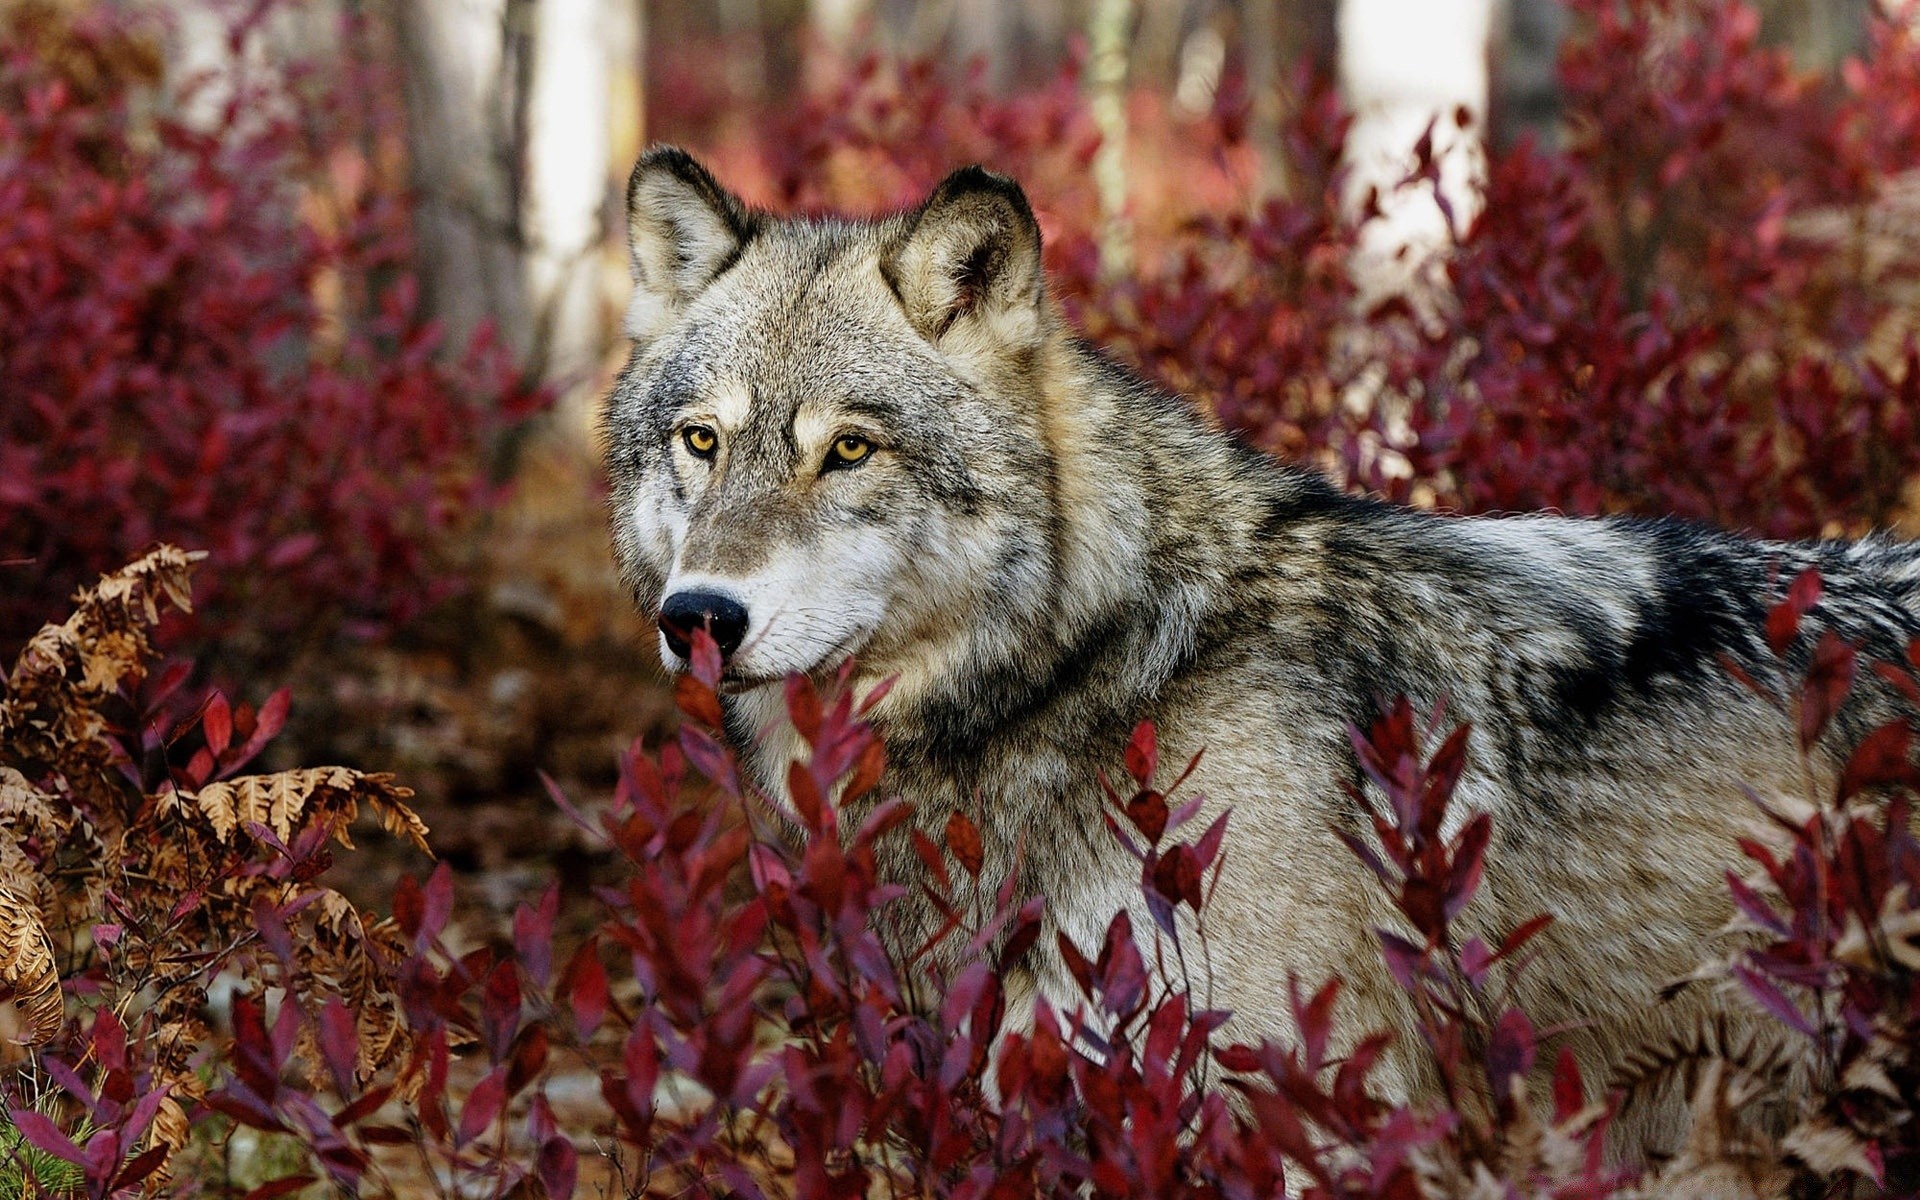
957 727
1702 608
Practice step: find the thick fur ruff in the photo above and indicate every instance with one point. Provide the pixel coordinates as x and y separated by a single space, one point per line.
1042 550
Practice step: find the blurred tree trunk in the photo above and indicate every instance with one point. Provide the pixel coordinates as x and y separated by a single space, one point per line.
1278 35
1526 84
834 22
987 30
462 74
1820 33
508 117
1109 30
567 129
1407 68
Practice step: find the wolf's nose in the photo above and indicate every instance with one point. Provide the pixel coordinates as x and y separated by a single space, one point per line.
723 617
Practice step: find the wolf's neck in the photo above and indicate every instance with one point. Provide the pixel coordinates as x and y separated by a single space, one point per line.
1133 475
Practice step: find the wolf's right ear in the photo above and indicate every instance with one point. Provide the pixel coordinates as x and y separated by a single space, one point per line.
968 261
683 229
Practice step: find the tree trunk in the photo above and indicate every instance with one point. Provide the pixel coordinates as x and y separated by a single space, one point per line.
509 121
463 65
567 131
1408 68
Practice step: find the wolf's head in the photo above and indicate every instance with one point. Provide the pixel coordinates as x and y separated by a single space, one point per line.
828 439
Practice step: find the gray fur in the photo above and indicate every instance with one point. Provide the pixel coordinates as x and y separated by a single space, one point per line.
1045 550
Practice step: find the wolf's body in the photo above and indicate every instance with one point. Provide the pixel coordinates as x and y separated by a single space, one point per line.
1043 551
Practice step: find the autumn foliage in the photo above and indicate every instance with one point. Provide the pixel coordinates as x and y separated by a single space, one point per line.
1700 305
210 334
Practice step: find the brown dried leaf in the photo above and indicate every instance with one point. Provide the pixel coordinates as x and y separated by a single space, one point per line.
283 802
1719 1161
1828 1148
29 977
1899 924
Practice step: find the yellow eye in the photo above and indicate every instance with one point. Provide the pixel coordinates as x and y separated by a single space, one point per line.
848 451
700 440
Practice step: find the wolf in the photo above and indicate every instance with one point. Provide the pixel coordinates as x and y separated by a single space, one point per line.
877 441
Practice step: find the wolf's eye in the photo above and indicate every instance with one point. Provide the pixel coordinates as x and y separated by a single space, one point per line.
847 452
700 440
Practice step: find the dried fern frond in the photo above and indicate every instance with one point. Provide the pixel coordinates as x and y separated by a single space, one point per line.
26 813
1754 1054
50 721
290 800
1720 1161
29 978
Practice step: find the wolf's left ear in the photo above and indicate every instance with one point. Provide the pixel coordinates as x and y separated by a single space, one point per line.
970 257
683 229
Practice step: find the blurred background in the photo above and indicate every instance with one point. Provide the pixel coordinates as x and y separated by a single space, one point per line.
331 289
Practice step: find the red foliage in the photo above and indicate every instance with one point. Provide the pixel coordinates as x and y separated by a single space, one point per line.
210 337
1836 909
1676 316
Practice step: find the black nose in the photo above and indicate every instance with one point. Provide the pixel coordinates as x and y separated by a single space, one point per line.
721 616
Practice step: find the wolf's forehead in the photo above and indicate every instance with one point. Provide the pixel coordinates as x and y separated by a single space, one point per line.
795 321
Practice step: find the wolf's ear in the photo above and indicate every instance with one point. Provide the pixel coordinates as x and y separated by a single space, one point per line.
683 229
970 257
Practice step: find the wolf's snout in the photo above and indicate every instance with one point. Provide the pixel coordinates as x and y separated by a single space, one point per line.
723 617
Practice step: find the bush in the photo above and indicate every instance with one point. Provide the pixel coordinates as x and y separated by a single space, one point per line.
760 1028
210 337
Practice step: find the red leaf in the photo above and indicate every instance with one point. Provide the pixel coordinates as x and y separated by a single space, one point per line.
1772 999
1510 1049
1755 907
1121 971
1783 619
558 1166
1077 964
1148 812
143 1165
216 722
803 708
1900 678
44 1136
529 1059
709 758
483 1105
705 662
1524 934
808 803
1143 753
500 1009
1468 864
339 1043
439 902
931 858
1177 877
1569 1090
281 1187
409 907
1829 679
963 839
533 935
1026 931
586 986
362 1107
867 772
1237 1057
696 698
1882 759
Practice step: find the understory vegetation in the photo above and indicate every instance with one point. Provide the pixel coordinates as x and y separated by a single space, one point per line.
1701 304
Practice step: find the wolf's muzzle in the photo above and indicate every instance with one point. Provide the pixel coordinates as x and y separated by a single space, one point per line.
723 617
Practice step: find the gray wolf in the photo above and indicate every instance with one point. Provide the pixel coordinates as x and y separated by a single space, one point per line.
876 439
